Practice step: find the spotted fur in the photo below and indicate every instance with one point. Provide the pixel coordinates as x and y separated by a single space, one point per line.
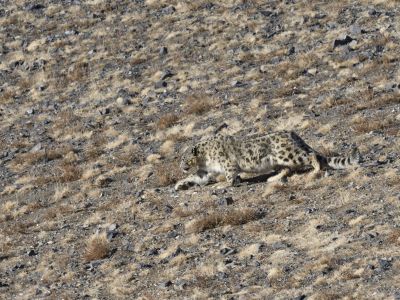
282 151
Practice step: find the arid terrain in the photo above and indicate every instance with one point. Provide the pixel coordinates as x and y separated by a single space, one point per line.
99 98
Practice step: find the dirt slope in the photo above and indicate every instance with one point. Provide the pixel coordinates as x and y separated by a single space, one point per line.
98 98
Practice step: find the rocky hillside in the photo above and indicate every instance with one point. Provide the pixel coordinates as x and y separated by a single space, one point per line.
98 99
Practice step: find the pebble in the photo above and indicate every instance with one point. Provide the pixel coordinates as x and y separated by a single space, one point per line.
227 251
160 84
165 284
105 111
30 111
163 51
32 252
343 40
225 201
385 264
122 101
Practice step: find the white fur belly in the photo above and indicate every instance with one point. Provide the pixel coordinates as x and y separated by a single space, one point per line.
214 167
264 167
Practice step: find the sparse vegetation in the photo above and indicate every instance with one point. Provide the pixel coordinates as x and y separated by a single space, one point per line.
91 144
97 247
167 173
167 120
215 219
198 104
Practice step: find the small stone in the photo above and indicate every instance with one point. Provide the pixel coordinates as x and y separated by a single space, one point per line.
225 201
301 297
382 159
181 284
353 45
165 284
172 234
168 209
385 264
31 252
291 50
71 32
166 74
236 83
33 7
111 234
145 266
102 181
122 101
312 71
355 29
36 148
30 111
41 88
113 227
153 252
160 84
263 68
227 251
222 275
104 111
341 41
163 51
168 10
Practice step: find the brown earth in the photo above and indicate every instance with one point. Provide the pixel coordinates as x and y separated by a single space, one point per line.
98 98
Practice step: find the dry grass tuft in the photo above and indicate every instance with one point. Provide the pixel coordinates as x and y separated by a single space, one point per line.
31 158
70 172
198 104
97 247
167 120
216 219
364 125
167 173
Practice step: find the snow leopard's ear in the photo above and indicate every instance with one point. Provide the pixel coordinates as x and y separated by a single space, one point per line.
194 151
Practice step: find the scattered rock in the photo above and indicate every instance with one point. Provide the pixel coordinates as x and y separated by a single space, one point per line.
122 101
165 284
160 84
105 111
301 297
312 71
113 227
291 50
227 251
236 83
93 264
355 29
3 284
341 41
30 111
166 74
153 252
172 234
181 284
34 7
225 201
17 267
32 252
163 51
385 264
168 209
102 181
145 266
41 88
36 148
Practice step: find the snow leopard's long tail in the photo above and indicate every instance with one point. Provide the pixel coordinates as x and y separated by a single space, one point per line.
344 162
